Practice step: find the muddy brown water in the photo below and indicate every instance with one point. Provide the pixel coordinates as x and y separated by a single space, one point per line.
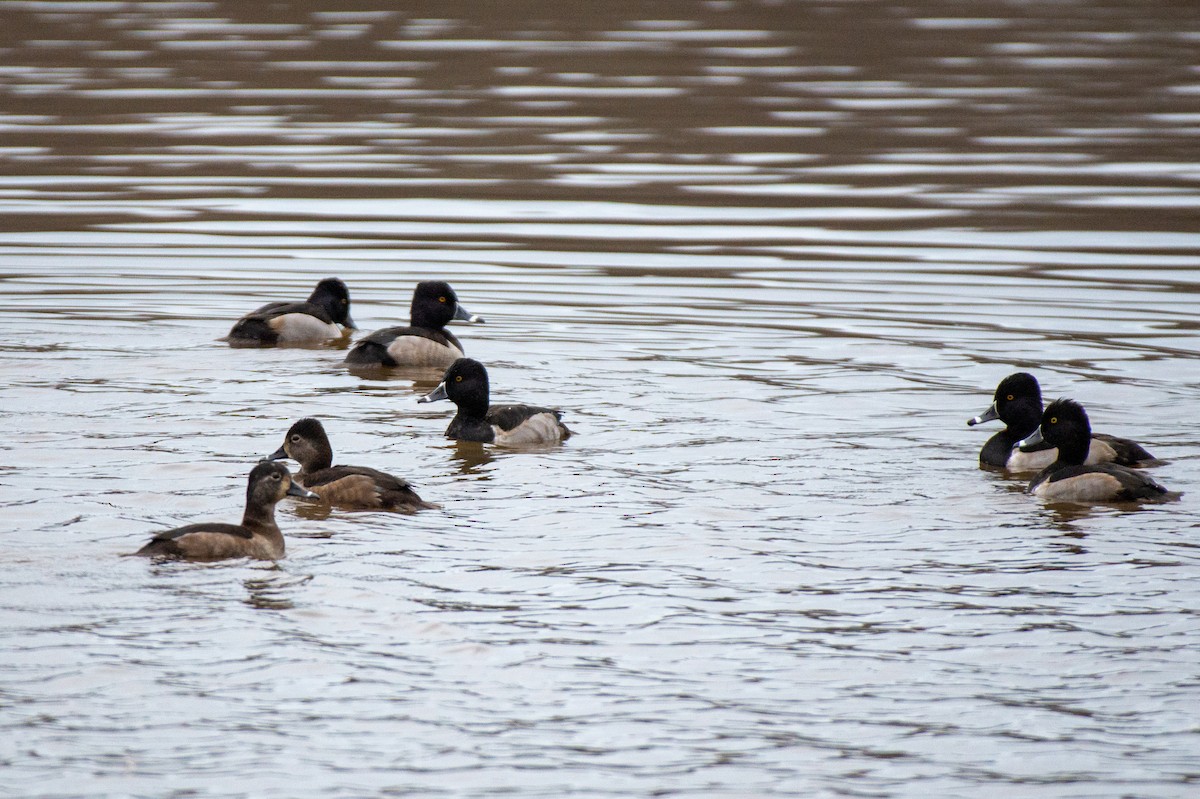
768 258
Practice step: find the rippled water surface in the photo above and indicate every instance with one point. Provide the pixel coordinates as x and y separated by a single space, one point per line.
767 257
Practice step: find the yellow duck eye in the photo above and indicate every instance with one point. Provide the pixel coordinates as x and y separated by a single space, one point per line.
441 299
458 378
1010 397
1053 420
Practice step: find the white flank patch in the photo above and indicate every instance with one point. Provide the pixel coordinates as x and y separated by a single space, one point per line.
420 351
1100 452
541 428
1020 461
1084 488
302 327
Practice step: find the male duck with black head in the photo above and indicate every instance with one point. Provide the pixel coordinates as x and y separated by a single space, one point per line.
1018 403
466 385
426 341
345 486
1065 425
320 318
256 537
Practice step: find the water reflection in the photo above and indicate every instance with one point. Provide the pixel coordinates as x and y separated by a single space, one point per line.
421 380
314 512
469 457
328 344
276 592
766 254
1064 515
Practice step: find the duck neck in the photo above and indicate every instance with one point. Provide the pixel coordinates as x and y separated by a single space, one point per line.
473 407
318 461
1075 451
259 516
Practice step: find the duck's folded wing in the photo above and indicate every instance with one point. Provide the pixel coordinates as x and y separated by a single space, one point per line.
387 335
274 310
346 485
1134 484
364 487
206 541
1126 452
509 417
204 527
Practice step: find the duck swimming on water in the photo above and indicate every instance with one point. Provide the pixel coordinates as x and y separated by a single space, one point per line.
466 385
425 341
1065 426
256 537
321 317
345 486
1018 403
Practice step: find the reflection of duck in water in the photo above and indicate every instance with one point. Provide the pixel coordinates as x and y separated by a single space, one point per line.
466 385
426 341
1018 403
470 456
321 317
256 537
345 486
1065 426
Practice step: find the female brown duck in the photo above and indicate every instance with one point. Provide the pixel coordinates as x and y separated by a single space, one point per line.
256 537
346 486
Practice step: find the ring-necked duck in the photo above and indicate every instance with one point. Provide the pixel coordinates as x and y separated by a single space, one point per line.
466 385
346 486
426 341
316 319
256 537
1065 425
1018 403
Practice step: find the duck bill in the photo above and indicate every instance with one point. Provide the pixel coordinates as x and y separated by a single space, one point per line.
461 314
348 323
1031 441
990 415
297 490
277 455
438 393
